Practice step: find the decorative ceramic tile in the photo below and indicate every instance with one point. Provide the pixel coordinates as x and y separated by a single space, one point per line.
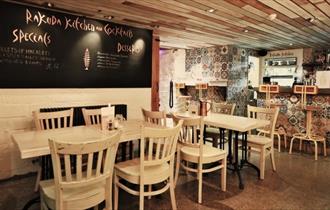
224 50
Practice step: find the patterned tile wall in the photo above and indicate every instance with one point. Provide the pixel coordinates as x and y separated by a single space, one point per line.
223 63
212 61
213 93
292 118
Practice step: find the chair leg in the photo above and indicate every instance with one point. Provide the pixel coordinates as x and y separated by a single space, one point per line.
279 142
42 202
200 182
272 158
116 193
224 175
149 190
284 137
141 197
177 168
290 150
325 148
36 186
172 193
300 144
262 163
108 196
316 150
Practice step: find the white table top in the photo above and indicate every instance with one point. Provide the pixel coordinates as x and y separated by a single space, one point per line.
231 122
35 143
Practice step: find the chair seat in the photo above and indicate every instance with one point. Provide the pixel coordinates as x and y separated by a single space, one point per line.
260 140
210 154
130 170
94 192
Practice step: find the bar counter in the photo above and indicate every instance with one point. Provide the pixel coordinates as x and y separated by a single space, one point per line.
292 117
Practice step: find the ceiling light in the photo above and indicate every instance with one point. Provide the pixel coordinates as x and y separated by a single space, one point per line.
109 17
272 16
290 44
246 30
49 4
311 19
210 10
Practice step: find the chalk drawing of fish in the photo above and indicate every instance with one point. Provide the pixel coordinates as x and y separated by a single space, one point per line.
87 59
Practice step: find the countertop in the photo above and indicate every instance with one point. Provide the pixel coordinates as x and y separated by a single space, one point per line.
287 89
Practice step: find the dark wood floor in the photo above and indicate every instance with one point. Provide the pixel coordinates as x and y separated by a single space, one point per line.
299 183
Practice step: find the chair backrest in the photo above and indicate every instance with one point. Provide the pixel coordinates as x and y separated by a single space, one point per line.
191 133
91 116
223 108
265 114
53 120
78 165
155 117
158 145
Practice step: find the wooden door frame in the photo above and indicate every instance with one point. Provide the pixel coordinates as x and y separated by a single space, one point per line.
155 73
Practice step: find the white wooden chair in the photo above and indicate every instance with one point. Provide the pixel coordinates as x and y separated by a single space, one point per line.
91 116
212 132
51 120
155 165
277 133
75 186
155 117
263 144
192 150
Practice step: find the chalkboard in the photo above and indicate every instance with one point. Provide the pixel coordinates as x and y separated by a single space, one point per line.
40 48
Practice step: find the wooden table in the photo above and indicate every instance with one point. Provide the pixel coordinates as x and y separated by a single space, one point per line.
35 143
237 125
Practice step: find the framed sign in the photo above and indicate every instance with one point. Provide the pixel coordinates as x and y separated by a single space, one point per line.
40 48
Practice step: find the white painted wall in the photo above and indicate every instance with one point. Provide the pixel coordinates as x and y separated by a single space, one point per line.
254 71
171 67
16 106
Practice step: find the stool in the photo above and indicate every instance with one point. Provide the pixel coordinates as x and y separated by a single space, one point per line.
309 136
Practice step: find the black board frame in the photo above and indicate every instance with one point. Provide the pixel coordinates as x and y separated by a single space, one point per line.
67 71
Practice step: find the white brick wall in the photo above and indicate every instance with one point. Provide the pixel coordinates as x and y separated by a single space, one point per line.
16 106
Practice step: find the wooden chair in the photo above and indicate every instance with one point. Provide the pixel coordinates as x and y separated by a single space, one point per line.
277 133
91 116
76 187
51 120
192 150
155 117
155 165
263 144
213 134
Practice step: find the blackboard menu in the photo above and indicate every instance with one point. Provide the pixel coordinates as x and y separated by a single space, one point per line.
40 48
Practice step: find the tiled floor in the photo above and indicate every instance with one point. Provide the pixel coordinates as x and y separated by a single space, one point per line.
299 183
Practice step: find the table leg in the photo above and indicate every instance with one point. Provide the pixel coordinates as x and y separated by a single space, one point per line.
230 156
31 202
131 150
222 138
237 168
244 160
123 151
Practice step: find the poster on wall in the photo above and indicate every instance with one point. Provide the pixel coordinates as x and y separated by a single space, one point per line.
40 48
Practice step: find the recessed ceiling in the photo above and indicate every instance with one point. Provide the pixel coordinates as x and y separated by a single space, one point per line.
259 24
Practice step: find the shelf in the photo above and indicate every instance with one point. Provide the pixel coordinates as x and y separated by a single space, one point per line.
281 76
282 66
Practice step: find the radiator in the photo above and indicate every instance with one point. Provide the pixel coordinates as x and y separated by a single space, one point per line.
78 118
